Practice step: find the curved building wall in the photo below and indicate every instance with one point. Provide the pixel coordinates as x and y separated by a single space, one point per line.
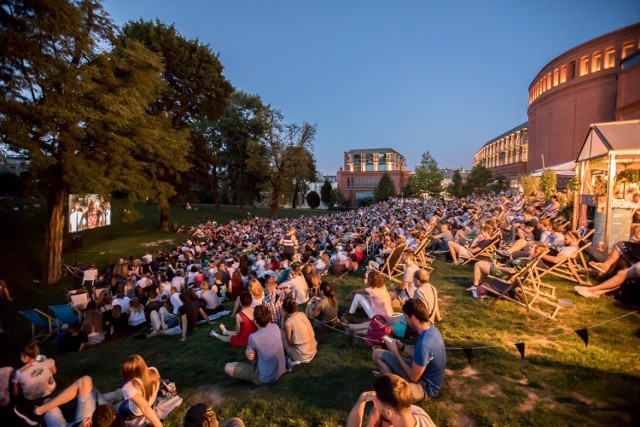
506 154
576 89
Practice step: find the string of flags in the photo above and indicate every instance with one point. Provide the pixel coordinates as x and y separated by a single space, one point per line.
583 333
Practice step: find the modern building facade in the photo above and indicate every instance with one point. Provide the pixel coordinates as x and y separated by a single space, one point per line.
597 81
363 169
506 154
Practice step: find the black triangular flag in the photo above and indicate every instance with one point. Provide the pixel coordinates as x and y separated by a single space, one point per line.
584 334
520 347
468 352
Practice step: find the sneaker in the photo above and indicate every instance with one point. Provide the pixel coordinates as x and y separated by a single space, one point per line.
213 333
29 418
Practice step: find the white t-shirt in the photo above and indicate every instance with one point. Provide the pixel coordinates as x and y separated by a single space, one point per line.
123 303
422 418
130 389
36 379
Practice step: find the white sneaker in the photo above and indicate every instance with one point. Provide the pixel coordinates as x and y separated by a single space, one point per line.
213 333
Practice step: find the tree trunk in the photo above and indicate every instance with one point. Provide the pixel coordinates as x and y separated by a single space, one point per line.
294 201
164 217
52 267
272 210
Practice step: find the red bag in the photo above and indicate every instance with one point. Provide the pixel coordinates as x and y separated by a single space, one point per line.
378 328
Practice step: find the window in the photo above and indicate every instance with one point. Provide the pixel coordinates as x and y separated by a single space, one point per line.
556 77
584 66
609 58
563 74
627 49
572 70
596 62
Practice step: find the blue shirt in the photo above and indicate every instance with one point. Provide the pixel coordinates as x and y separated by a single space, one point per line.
430 352
267 345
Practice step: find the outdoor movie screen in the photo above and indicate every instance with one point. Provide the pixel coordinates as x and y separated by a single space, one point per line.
87 211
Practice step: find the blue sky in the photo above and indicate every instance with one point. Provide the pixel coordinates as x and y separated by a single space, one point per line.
416 76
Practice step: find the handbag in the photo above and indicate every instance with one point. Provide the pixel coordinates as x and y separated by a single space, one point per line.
378 328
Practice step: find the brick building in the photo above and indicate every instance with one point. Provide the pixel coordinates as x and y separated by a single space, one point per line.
597 81
363 169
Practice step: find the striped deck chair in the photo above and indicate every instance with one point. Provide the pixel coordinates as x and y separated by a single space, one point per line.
420 254
574 268
487 251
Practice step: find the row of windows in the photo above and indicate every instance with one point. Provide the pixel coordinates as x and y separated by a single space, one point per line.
374 167
588 64
362 182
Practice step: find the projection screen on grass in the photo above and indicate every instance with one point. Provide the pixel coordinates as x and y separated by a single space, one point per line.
87 211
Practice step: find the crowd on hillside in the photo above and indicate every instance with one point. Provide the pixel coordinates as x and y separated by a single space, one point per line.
269 273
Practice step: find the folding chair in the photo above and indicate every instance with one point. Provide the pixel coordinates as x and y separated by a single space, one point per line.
570 269
487 251
78 300
89 277
283 276
534 295
392 268
421 257
65 314
41 321
97 292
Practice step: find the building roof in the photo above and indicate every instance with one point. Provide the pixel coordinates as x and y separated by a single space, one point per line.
373 150
509 132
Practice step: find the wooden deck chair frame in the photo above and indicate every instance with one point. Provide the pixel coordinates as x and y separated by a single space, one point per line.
569 269
41 320
487 251
391 268
420 254
532 295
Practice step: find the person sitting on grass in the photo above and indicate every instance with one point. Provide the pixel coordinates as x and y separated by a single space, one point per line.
188 314
392 405
428 294
245 324
202 415
265 351
459 252
211 299
33 381
298 337
273 300
257 295
296 285
373 299
612 284
325 308
424 370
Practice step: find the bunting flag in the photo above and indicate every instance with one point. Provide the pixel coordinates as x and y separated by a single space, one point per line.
468 352
584 334
520 347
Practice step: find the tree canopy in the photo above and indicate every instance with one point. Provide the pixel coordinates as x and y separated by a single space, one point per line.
384 189
80 112
427 178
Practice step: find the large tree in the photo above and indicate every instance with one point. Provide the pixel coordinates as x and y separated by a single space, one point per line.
384 189
427 178
79 111
195 90
325 194
276 156
456 186
478 181
244 120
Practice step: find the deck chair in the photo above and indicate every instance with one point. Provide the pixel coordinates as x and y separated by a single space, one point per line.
487 251
536 297
97 292
392 268
283 276
420 254
42 325
572 268
78 300
89 278
65 314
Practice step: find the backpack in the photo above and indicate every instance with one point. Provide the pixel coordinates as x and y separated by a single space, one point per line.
378 328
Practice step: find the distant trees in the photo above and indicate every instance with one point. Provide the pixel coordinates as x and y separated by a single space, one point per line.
455 187
548 182
384 189
313 199
326 194
478 181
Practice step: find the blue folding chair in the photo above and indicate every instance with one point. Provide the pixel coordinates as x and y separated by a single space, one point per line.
42 325
65 314
283 276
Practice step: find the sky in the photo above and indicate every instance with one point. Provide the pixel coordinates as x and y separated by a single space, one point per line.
416 76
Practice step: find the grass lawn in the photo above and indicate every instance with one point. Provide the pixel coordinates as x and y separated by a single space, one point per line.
560 382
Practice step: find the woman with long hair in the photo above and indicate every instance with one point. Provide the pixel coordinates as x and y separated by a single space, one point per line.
93 325
140 390
324 308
